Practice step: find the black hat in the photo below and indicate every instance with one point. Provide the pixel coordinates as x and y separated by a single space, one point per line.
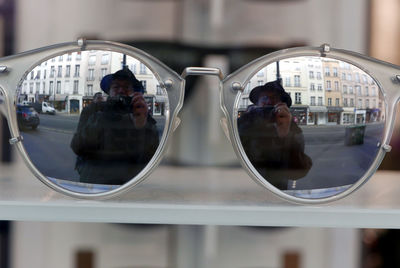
274 86
124 74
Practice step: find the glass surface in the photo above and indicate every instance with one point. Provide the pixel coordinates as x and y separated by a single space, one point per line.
86 128
315 129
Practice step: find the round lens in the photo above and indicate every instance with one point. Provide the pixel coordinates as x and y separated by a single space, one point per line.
91 121
311 126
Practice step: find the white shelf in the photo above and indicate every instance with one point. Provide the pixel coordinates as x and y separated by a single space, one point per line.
200 195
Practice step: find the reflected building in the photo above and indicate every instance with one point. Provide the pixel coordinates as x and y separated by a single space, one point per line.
69 81
324 91
333 96
317 109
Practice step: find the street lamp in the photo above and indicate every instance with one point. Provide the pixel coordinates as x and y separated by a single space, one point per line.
278 73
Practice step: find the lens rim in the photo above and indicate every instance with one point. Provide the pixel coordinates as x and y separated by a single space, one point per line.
376 69
169 81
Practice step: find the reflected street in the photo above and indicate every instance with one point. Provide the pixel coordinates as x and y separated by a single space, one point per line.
324 144
49 145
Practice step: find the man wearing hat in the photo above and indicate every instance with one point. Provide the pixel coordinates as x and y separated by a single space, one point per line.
117 138
273 142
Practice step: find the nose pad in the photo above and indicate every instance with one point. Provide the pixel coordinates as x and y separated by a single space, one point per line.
176 123
224 125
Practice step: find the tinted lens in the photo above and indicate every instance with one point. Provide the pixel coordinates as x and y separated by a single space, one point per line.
322 134
82 134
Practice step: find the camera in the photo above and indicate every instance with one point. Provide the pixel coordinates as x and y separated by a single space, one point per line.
267 113
118 104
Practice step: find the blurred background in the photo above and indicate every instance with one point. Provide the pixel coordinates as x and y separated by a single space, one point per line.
215 33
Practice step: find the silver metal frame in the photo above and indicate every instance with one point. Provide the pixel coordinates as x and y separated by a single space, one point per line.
386 76
18 66
15 68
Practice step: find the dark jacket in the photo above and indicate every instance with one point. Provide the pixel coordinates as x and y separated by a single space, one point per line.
110 149
277 159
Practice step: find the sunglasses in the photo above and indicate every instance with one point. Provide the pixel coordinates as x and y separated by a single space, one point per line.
321 138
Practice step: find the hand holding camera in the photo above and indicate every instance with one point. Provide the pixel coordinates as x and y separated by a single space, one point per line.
283 118
140 110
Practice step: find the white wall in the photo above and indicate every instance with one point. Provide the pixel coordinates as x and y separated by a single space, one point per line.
341 23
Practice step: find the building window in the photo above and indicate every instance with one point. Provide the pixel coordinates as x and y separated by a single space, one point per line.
37 89
319 87
92 60
142 68
345 102
351 102
133 68
329 101
373 91
158 90
349 77
69 57
328 85
60 58
359 103
77 70
78 56
344 89
367 103
260 82
337 102
67 71
91 75
297 98
59 71
312 101
335 72
311 74
58 89
366 91
44 74
105 58
327 71
260 73
319 76
89 90
343 76
312 87
336 85
76 87
357 77
52 71
297 80
358 88
374 103
103 72
288 83
51 87
320 101
351 91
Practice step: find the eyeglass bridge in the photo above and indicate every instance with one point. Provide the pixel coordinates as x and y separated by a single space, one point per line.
202 71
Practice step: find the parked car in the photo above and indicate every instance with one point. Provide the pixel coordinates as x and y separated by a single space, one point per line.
44 107
27 117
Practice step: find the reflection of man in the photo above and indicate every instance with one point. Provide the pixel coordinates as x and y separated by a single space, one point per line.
271 139
119 137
